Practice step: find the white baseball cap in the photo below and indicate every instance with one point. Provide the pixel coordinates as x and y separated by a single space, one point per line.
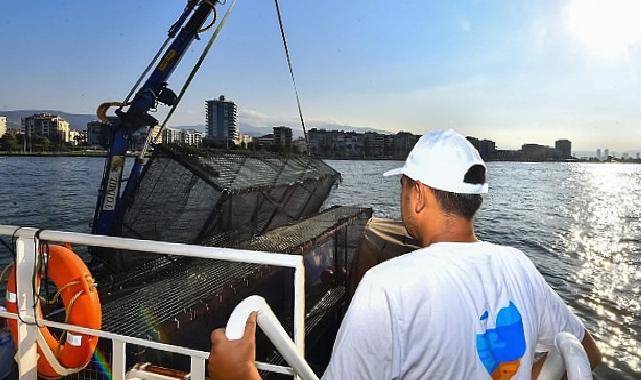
441 159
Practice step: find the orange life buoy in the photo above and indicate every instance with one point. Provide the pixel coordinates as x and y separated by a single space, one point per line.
80 297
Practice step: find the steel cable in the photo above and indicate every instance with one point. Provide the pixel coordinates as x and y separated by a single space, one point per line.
291 72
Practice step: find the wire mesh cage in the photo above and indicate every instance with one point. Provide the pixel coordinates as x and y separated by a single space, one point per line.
218 198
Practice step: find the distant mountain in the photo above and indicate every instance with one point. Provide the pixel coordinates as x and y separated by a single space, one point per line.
79 121
252 130
349 128
76 120
297 130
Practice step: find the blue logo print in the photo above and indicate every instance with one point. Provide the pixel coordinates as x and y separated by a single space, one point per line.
501 348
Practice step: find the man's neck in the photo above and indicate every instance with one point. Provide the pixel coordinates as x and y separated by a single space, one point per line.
451 229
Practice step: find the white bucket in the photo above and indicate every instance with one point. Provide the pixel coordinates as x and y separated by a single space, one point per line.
7 351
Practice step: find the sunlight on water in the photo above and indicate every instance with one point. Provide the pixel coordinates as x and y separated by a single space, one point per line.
605 236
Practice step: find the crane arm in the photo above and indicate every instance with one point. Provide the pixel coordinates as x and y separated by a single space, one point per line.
110 204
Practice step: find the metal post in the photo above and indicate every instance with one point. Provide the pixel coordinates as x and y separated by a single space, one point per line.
119 359
27 355
299 308
197 368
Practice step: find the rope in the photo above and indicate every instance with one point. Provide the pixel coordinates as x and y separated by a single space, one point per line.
37 269
67 316
57 295
52 357
53 360
192 74
291 72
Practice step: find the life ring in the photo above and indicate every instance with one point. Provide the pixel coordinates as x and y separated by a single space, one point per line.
82 308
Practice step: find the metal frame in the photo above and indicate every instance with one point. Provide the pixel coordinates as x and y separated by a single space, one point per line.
27 240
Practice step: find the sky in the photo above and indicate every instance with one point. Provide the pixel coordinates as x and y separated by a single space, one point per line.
511 71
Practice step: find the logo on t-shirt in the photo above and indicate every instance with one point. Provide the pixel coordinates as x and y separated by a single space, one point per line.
502 347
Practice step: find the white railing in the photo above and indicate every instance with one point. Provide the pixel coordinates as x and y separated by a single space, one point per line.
568 357
27 242
268 322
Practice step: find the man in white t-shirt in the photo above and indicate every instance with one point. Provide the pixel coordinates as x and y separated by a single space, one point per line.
458 308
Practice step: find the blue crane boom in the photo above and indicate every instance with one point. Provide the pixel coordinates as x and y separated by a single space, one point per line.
111 204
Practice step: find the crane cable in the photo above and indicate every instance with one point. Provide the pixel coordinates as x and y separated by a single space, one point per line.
291 72
192 74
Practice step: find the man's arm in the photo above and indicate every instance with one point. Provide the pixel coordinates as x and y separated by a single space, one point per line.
594 355
234 359
590 347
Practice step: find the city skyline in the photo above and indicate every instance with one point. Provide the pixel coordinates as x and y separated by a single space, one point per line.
508 72
202 129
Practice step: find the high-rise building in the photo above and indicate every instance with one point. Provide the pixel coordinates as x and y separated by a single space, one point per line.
638 156
222 120
598 154
47 125
3 125
564 147
606 154
283 136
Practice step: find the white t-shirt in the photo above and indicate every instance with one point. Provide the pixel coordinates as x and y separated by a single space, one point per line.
450 311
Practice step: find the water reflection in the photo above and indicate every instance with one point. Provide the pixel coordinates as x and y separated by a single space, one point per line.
604 236
580 224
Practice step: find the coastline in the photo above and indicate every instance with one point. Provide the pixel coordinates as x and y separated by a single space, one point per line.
104 154
631 161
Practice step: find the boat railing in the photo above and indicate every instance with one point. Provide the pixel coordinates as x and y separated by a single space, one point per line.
567 357
569 353
27 240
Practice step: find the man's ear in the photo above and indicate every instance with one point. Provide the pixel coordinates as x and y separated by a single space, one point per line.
420 192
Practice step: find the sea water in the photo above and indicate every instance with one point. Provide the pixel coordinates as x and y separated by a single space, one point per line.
580 223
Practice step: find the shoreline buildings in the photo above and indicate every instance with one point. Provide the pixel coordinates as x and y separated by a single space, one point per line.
352 145
529 152
45 124
335 144
281 140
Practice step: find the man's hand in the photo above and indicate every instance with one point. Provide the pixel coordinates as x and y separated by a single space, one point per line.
234 359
